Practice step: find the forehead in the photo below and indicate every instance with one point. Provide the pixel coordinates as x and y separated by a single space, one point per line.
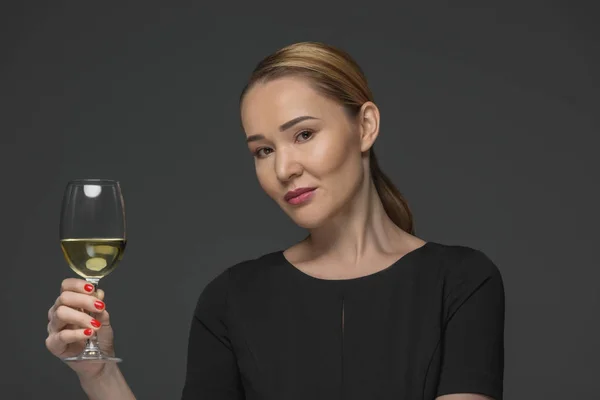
268 105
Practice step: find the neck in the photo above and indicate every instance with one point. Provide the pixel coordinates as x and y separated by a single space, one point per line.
360 230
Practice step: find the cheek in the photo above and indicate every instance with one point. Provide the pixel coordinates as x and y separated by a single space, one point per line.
335 161
266 177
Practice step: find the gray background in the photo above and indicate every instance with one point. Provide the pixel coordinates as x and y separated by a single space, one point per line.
489 118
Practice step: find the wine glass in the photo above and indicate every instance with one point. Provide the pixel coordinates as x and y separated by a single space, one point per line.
92 238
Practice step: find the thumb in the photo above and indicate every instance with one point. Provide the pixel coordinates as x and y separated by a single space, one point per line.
100 294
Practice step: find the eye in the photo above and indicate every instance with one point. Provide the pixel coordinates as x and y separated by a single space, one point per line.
303 136
265 152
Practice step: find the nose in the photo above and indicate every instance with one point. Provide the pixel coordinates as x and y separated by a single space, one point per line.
286 165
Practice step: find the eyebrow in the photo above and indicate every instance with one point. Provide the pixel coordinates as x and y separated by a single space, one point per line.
285 126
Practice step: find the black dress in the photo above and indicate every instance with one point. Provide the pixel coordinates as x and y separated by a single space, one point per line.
430 324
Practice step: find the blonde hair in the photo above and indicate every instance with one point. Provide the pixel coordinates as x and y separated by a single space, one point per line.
336 75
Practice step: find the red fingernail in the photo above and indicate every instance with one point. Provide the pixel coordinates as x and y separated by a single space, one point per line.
99 305
88 332
89 287
95 323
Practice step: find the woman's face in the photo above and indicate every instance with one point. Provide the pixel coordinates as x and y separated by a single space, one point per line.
303 140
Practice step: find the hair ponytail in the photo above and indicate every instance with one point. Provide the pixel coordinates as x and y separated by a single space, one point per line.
394 204
335 74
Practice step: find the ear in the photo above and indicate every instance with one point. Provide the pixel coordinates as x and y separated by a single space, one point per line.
368 123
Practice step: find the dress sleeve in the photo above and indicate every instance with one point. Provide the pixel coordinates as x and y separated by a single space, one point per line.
212 371
473 339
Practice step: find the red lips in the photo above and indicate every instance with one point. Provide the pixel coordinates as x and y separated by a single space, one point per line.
297 192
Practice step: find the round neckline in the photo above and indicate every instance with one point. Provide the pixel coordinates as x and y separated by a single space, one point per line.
383 271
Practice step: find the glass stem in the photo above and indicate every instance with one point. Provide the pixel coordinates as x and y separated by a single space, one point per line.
91 345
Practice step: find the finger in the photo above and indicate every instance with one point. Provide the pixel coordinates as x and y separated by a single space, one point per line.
64 316
76 285
51 311
79 286
80 301
58 342
103 317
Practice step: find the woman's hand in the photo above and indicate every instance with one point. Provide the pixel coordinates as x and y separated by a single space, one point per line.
69 327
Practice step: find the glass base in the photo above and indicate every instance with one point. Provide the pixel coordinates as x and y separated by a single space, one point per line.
92 356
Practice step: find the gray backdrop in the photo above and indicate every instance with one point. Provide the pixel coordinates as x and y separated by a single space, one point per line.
489 118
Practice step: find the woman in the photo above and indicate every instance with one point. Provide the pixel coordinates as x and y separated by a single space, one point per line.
359 309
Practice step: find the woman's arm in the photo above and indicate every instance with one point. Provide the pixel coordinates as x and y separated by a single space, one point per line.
109 384
473 339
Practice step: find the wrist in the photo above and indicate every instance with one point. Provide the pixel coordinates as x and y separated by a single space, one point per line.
109 383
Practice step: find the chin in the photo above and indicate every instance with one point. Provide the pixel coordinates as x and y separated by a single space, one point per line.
307 219
312 215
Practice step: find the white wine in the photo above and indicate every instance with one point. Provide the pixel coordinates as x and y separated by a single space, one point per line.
93 258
